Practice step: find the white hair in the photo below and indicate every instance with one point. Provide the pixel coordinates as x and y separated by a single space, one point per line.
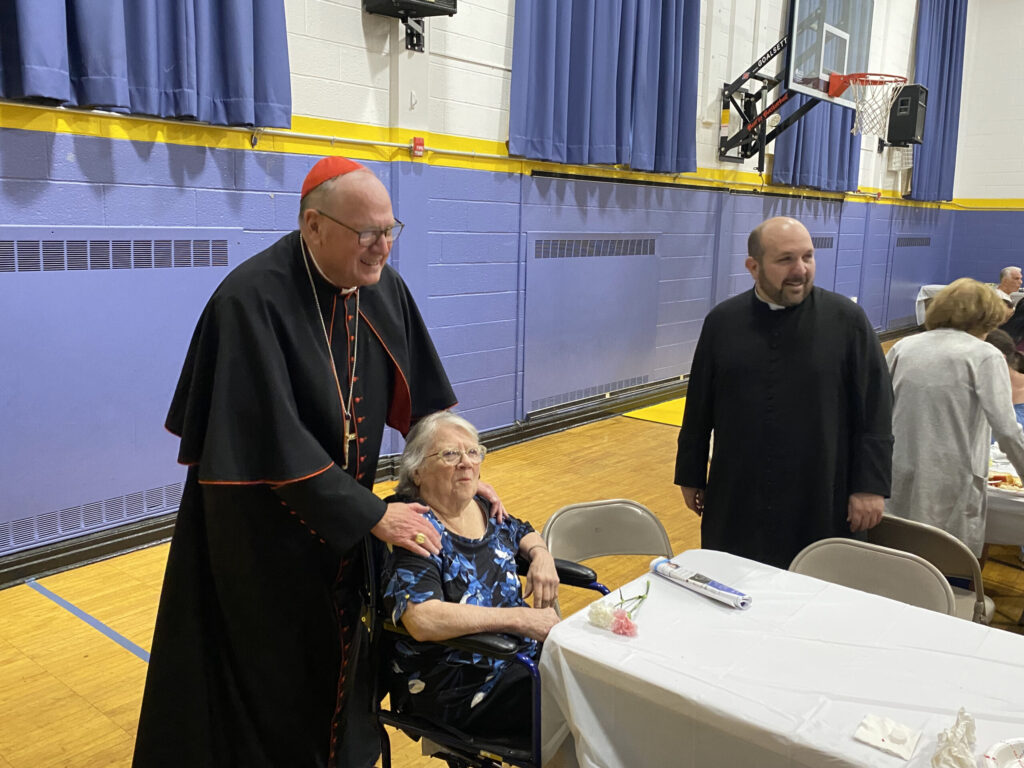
1005 272
420 440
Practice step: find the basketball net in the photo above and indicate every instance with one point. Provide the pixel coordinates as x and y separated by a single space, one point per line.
873 95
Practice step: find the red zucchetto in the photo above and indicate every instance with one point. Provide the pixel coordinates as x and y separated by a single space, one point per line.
328 168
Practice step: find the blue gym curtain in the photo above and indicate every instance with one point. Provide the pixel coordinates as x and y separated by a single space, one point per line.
223 62
939 66
818 150
609 82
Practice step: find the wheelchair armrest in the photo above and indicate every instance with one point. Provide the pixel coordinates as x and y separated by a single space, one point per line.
570 572
573 574
485 643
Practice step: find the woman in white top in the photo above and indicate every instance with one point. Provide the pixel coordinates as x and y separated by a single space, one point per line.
952 395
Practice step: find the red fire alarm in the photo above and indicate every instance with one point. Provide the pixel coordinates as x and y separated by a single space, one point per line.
416 147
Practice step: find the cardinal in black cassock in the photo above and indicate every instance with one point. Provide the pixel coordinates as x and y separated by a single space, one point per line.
259 654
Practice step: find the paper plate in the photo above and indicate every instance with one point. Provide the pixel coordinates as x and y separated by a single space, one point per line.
1005 754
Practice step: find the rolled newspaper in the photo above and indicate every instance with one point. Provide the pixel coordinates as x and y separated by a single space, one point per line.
699 583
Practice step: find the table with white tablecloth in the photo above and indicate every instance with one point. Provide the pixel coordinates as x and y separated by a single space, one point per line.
784 683
1004 523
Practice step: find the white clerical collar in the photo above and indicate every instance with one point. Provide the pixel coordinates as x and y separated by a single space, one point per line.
771 305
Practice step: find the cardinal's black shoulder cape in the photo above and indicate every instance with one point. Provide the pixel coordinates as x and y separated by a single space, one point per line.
258 653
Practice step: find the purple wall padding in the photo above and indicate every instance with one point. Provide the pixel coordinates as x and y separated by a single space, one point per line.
685 224
93 343
983 242
919 247
95 323
116 248
460 258
591 315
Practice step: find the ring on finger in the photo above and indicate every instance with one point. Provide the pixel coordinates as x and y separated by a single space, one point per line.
420 538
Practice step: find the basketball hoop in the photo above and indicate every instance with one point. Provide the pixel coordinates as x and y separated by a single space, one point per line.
873 94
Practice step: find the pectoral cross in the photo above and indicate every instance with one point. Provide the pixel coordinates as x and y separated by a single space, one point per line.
349 438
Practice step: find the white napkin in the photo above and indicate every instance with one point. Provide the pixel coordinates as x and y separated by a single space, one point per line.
888 735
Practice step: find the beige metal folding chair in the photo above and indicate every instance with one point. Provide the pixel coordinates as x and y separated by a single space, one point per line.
609 527
880 570
947 553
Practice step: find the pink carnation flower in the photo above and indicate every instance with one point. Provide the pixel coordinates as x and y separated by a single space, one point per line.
617 617
622 624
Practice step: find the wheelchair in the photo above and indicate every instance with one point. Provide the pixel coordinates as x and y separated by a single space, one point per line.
460 750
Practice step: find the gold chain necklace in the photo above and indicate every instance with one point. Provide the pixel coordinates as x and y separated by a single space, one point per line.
346 405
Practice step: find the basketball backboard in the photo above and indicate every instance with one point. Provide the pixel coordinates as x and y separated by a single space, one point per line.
827 36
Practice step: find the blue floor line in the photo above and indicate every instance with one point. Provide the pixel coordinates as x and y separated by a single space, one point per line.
93 622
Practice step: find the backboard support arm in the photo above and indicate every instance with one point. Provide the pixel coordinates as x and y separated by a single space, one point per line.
752 138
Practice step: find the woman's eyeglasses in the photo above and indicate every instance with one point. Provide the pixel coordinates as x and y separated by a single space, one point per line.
452 456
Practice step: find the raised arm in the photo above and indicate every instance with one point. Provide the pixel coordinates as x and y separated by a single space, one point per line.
993 386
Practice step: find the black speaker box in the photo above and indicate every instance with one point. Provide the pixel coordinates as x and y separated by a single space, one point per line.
906 116
416 9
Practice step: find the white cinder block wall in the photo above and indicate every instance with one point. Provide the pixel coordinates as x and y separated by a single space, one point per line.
990 149
470 70
340 61
353 67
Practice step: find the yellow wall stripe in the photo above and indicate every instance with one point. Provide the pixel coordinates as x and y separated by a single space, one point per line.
367 142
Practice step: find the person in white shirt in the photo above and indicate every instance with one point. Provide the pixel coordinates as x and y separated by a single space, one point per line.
1010 280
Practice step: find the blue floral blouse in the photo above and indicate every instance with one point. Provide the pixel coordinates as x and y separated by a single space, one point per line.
430 679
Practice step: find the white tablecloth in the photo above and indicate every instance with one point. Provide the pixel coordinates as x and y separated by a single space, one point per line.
784 683
1005 521
1005 518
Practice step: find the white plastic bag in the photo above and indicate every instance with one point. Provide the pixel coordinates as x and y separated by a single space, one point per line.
956 744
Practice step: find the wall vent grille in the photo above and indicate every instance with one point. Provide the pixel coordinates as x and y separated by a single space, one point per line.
823 243
74 255
581 394
574 249
913 242
27 532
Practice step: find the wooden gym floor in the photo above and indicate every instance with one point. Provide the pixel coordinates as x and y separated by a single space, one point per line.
73 645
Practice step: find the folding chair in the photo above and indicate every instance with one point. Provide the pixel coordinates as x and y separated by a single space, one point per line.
880 570
947 553
609 527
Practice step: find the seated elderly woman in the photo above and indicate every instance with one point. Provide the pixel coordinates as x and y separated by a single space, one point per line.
952 395
471 586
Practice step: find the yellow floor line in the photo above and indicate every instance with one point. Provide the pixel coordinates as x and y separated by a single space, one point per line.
670 412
